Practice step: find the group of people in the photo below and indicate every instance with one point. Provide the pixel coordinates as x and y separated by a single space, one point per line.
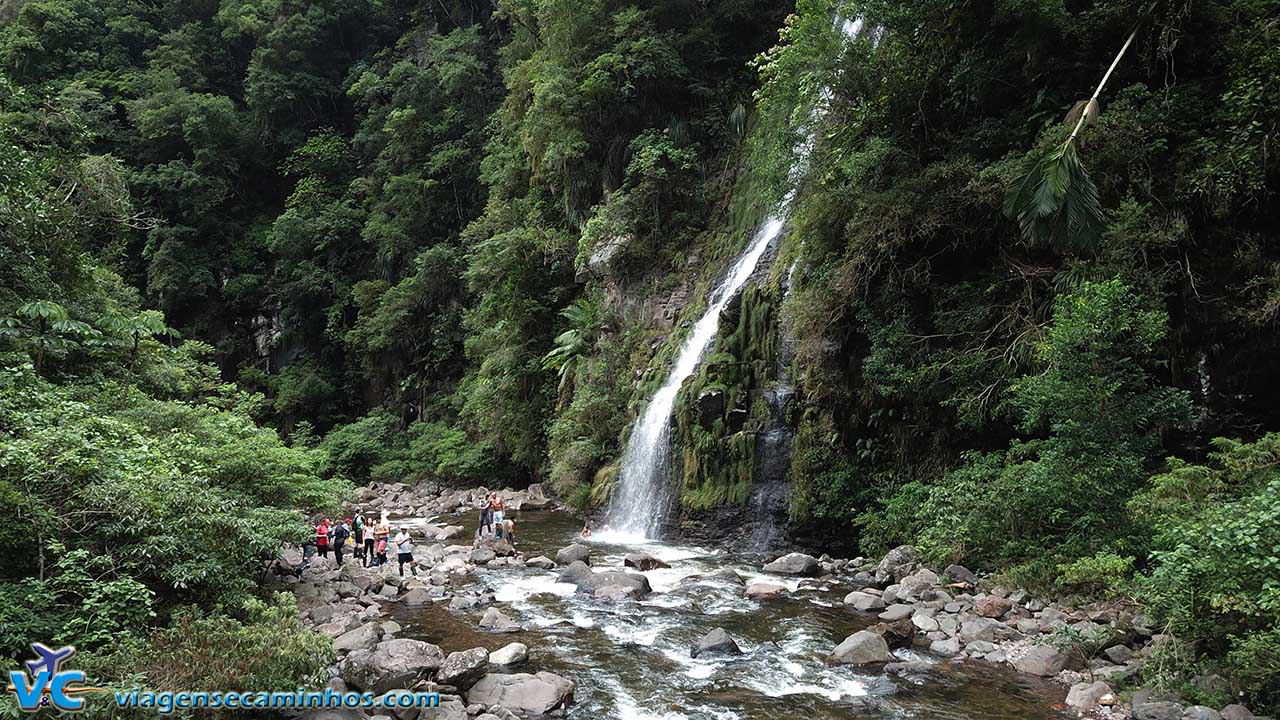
369 542
494 521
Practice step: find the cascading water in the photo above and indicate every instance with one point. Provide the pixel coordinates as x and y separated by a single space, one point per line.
643 492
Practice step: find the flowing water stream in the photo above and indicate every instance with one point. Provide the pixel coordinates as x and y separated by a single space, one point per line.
631 661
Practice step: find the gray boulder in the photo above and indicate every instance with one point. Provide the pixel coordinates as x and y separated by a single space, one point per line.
1201 712
763 591
863 601
716 642
1236 712
522 693
509 655
793 564
1084 697
898 562
391 665
463 669
364 637
495 621
896 612
1041 660
574 553
1162 710
861 648
917 583
482 555
962 574
541 562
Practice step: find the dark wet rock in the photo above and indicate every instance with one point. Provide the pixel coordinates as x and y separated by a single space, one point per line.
716 642
574 553
897 634
793 564
643 562
510 655
728 574
1042 660
463 669
961 574
522 693
861 648
710 405
577 573
391 665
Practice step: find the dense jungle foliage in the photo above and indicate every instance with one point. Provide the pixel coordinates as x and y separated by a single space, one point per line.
254 252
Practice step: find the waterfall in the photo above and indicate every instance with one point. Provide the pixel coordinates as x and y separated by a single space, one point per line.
643 493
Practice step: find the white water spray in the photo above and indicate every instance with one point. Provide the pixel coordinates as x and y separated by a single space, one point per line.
643 493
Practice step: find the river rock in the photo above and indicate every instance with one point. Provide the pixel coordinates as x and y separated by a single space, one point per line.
1162 710
574 553
1201 712
978 630
1084 697
643 562
417 596
990 606
898 562
541 562
896 612
763 591
946 648
861 648
1042 660
917 583
510 655
616 593
1236 712
863 601
961 574
364 637
522 693
495 621
463 669
716 642
577 573
391 665
793 564
482 555
898 634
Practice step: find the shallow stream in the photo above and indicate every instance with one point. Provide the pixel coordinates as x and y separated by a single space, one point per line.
632 661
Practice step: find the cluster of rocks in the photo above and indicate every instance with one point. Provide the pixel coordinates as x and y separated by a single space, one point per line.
426 499
950 613
346 603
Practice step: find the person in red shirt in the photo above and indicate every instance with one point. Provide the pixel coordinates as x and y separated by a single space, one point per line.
322 537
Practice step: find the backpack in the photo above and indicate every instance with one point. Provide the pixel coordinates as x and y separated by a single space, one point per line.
340 534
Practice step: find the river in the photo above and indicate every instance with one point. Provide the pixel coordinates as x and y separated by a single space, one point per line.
631 661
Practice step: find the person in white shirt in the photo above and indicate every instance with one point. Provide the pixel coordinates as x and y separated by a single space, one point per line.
404 551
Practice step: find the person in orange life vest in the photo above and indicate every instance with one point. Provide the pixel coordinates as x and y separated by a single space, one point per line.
322 537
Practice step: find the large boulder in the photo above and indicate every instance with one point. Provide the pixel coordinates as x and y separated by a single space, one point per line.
1042 660
509 655
897 634
990 606
643 562
896 612
793 564
861 648
961 574
1084 697
364 637
917 583
573 553
522 693
463 669
482 555
1163 710
577 573
716 642
391 665
541 562
898 562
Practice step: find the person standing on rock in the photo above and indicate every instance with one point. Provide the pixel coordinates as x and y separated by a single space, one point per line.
357 534
486 515
498 508
381 534
404 552
341 532
322 537
369 543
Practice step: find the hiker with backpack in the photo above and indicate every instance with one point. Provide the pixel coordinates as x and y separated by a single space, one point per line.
357 535
341 532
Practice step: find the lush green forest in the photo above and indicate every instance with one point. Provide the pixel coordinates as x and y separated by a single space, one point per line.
253 253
